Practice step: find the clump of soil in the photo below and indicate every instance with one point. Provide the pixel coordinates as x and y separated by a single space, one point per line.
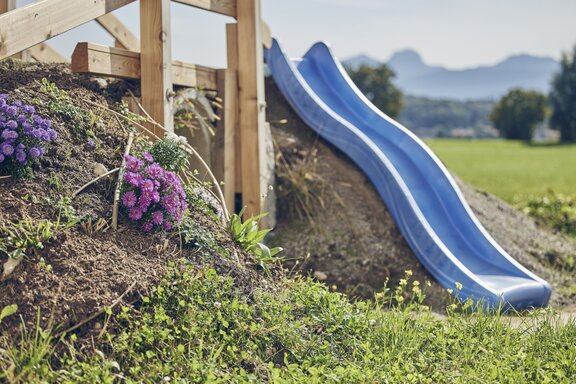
80 271
350 240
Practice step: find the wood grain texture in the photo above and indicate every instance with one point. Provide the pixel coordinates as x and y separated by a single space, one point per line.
119 32
251 102
116 62
232 57
226 134
155 61
37 22
223 7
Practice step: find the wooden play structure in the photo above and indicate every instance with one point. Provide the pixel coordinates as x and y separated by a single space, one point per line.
23 32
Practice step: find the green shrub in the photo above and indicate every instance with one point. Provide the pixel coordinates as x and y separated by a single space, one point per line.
553 209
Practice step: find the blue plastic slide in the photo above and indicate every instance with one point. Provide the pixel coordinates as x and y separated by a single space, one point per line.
422 197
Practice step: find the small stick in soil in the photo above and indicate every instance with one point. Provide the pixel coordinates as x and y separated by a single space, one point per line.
93 181
119 183
100 312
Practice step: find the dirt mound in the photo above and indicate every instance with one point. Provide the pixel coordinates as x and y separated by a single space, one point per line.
350 239
83 269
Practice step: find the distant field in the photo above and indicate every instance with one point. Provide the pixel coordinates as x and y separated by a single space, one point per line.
510 169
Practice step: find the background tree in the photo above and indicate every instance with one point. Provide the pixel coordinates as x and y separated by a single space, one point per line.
517 113
376 84
563 98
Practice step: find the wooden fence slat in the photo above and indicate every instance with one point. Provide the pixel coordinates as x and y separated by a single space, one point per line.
116 62
251 102
232 58
119 31
33 24
226 134
155 61
224 7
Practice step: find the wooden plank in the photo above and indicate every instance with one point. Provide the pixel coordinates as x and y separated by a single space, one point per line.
223 7
37 22
46 54
116 62
156 61
7 5
232 57
226 134
266 34
251 102
119 32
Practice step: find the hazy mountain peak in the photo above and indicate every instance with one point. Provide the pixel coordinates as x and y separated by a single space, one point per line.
415 77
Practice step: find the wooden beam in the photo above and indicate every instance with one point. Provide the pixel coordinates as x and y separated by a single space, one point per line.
116 62
119 32
156 61
223 7
226 134
251 102
7 5
37 22
232 57
266 34
46 54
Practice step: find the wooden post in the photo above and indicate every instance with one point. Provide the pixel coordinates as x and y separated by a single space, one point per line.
225 136
155 61
251 102
7 5
232 55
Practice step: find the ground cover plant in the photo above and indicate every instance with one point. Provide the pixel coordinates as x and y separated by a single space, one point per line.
197 326
511 170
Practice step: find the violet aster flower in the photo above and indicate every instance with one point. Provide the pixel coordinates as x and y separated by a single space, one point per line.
17 103
134 179
34 152
21 157
154 171
144 202
6 149
11 124
9 134
148 157
11 110
133 164
37 119
135 213
22 118
27 127
167 225
147 226
52 134
28 109
157 217
129 199
46 124
38 133
147 185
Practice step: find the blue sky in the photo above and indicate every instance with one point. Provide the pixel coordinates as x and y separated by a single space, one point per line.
452 33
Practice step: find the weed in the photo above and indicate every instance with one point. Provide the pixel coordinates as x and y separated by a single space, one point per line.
250 238
555 210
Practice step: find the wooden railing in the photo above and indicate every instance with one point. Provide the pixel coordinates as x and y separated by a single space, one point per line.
240 85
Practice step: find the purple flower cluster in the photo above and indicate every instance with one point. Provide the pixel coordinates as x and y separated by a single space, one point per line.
23 134
151 195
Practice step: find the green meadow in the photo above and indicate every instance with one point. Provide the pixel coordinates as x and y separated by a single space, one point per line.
511 170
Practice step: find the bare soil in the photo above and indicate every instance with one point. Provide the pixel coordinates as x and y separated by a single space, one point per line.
80 272
352 243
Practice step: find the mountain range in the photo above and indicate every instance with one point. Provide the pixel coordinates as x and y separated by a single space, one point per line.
417 78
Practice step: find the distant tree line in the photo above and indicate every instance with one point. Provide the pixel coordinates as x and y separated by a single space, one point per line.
515 115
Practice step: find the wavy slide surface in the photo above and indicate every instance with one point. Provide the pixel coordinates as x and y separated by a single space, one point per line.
421 195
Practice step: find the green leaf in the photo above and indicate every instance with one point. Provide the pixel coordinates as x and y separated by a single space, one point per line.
8 311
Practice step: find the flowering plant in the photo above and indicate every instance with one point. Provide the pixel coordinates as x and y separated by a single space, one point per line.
24 135
152 195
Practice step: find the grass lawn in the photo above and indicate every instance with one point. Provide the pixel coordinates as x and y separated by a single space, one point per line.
510 169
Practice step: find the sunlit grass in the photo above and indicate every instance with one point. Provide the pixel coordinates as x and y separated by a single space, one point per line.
511 170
